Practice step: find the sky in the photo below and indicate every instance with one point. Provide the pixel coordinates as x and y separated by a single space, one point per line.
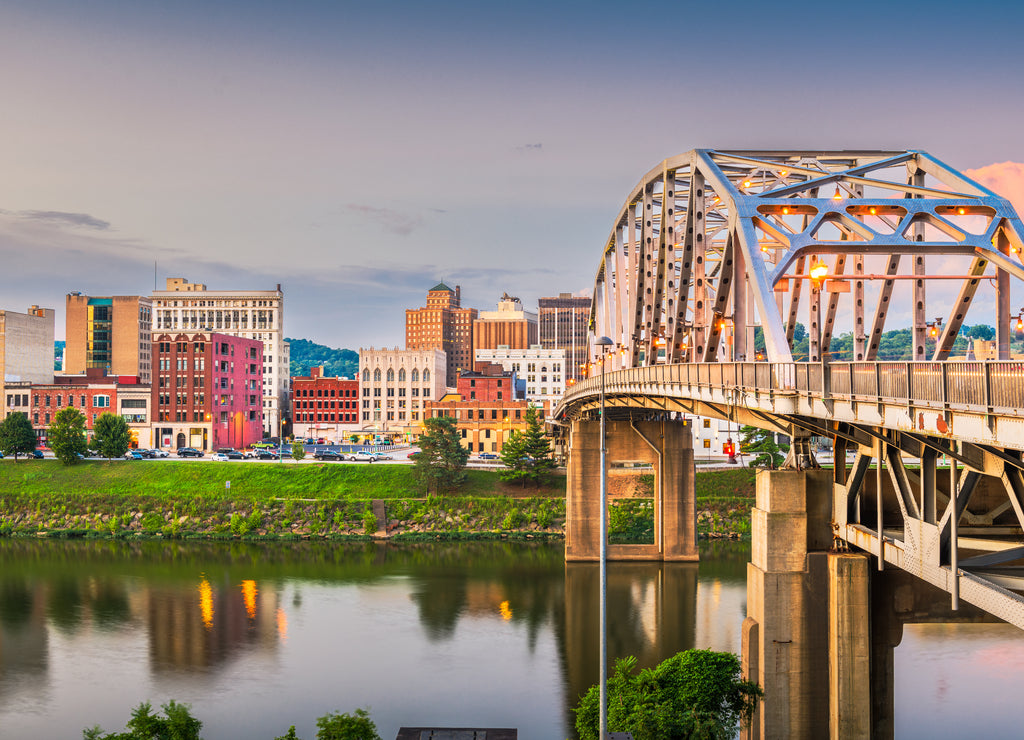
358 153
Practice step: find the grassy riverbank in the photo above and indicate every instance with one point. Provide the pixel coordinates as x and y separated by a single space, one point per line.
189 499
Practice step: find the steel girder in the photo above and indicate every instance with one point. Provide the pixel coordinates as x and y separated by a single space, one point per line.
712 243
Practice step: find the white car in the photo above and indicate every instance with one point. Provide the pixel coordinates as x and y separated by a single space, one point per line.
221 456
159 453
381 456
365 455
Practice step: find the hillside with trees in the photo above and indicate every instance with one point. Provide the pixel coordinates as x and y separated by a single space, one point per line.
335 362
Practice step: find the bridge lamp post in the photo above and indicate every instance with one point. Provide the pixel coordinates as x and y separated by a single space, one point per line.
604 343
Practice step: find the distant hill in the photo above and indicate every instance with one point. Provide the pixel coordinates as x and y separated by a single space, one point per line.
335 362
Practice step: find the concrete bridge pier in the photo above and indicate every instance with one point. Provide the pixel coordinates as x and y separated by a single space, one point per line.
667 445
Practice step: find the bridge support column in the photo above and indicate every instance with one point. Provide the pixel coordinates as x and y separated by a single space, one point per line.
668 446
849 646
784 640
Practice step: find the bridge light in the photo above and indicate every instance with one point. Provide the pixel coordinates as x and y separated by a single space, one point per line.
1020 323
782 173
961 211
785 211
818 271
746 183
872 210
838 195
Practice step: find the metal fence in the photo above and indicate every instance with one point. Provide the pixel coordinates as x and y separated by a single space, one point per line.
984 386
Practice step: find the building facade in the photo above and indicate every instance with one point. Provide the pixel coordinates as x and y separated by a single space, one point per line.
540 373
484 411
509 326
206 390
112 333
564 321
92 393
324 407
443 324
251 314
26 354
395 386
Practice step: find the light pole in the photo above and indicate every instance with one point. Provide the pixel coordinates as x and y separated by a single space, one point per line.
603 343
280 439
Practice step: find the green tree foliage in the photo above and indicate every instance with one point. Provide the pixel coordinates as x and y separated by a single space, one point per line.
290 735
67 435
58 352
305 354
16 435
441 464
355 726
176 724
761 443
694 694
110 436
298 450
529 459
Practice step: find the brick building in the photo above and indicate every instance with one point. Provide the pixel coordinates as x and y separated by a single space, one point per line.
207 390
92 393
112 333
395 386
324 407
510 326
443 324
485 409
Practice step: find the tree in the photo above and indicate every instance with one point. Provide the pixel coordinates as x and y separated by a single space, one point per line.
694 694
16 435
298 450
527 456
441 464
178 723
110 436
761 442
67 435
355 726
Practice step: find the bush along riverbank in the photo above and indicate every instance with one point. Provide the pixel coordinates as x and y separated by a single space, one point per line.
191 500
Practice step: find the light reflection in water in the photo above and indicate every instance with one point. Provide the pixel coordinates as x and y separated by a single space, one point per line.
282 625
506 612
206 603
249 592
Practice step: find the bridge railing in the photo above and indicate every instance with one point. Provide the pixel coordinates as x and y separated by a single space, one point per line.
980 385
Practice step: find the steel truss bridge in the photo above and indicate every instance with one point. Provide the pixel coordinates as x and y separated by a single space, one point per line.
716 260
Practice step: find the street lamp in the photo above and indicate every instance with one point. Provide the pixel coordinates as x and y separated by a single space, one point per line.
604 343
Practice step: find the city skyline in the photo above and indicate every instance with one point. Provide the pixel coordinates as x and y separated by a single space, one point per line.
360 154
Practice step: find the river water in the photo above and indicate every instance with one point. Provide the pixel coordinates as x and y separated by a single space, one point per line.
259 637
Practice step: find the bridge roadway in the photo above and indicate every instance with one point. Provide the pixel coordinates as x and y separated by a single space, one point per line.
972 413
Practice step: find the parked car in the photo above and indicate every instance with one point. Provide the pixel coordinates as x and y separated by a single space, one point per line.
37 454
134 455
414 455
189 452
365 455
329 456
382 456
487 456
232 454
158 453
220 456
265 454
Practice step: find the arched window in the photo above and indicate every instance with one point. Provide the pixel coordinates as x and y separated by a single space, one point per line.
415 375
366 375
391 375
426 376
376 375
401 375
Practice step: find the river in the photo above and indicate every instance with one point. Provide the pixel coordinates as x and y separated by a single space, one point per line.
259 637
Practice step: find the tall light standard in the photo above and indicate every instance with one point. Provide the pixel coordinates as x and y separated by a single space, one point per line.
604 343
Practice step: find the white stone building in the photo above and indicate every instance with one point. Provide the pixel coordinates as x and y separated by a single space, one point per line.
253 314
395 385
541 371
26 355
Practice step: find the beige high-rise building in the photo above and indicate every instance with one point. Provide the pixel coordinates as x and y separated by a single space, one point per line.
112 333
510 326
253 314
395 386
443 324
26 356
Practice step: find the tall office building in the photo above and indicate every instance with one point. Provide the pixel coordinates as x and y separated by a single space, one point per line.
510 326
26 356
443 324
112 333
563 325
251 314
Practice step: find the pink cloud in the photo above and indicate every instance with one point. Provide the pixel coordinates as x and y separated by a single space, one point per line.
1005 178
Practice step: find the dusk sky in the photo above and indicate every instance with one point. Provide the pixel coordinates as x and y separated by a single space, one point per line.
357 153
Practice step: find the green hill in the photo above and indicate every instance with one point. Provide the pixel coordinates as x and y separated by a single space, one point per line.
335 362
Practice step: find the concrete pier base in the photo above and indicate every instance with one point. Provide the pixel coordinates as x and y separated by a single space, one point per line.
668 447
849 646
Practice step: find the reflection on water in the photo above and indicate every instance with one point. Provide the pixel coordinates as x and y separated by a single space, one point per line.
492 634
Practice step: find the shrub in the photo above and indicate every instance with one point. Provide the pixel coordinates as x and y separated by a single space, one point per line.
369 525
